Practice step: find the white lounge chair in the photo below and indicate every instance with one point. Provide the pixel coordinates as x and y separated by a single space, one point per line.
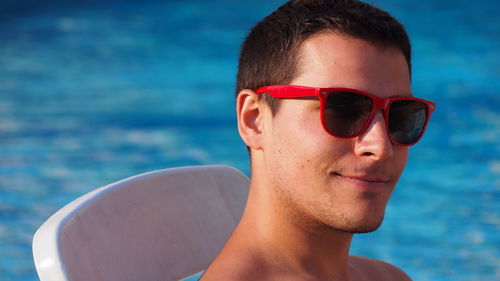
163 225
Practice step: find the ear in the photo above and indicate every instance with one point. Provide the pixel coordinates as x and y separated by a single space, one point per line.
250 118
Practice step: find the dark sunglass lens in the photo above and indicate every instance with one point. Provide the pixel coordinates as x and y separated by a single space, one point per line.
407 120
346 113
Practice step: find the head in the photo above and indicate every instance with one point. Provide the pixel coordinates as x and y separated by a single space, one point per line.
270 53
316 180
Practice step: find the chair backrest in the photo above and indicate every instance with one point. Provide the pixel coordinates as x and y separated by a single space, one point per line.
162 225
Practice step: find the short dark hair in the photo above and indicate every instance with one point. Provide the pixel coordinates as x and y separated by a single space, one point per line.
269 53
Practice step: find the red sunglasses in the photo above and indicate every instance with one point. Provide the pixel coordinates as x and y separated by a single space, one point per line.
347 113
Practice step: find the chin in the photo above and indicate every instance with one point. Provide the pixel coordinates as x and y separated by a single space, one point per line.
354 225
345 226
363 227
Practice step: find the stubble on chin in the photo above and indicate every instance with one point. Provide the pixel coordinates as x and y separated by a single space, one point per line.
323 222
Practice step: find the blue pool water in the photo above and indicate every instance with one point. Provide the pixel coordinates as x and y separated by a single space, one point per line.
95 91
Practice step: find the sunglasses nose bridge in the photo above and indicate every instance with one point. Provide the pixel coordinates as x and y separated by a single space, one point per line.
380 104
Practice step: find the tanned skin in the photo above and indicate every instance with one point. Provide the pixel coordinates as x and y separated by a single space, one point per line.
309 191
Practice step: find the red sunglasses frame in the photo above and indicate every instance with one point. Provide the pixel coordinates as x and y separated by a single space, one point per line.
292 91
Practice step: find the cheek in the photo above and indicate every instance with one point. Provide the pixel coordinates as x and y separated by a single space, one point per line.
293 142
303 149
400 158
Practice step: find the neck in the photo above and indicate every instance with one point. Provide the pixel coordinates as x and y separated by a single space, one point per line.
288 240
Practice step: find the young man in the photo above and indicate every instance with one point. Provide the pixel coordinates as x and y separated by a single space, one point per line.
325 107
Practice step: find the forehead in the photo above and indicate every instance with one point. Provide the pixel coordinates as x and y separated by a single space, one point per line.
334 60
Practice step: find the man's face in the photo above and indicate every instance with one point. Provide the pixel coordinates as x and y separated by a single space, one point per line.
327 182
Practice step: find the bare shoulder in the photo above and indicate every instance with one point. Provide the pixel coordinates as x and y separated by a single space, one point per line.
226 274
240 266
372 269
227 271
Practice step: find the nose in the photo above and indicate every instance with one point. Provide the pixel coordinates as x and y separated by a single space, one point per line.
375 142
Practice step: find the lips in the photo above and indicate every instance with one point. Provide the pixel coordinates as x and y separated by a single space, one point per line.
364 179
